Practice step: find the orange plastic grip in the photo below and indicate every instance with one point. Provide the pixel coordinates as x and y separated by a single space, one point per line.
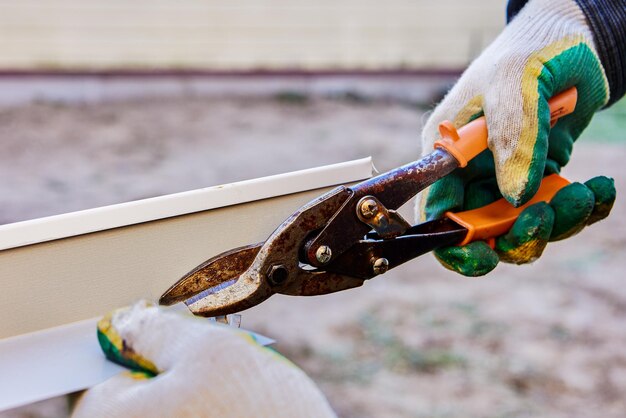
498 217
470 140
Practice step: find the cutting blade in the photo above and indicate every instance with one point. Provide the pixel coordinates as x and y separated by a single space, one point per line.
214 274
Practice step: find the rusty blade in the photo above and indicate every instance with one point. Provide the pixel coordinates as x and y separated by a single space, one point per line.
317 282
215 273
276 266
248 290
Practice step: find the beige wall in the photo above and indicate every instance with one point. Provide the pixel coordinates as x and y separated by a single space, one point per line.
245 34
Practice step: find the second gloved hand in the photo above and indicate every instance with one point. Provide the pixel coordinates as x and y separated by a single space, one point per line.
188 367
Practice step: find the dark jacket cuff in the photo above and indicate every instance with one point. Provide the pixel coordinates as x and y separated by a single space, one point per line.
607 19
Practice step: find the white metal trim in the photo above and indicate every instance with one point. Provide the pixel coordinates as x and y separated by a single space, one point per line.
50 228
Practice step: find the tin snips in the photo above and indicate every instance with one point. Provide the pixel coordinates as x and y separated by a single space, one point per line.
351 234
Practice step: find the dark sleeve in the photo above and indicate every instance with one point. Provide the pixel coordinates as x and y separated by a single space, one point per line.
607 19
513 7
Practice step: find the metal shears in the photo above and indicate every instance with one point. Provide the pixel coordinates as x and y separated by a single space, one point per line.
352 234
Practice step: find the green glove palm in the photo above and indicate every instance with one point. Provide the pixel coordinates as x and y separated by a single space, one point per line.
572 208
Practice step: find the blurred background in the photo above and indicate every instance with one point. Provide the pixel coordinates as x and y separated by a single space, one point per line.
103 102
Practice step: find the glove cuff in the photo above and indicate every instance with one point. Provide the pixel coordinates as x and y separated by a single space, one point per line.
607 21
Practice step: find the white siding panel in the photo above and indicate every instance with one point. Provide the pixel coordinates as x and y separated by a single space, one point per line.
139 250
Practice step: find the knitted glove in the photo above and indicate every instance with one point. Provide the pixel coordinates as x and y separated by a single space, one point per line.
188 367
547 48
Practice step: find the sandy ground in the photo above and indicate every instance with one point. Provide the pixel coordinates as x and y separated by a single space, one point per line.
547 340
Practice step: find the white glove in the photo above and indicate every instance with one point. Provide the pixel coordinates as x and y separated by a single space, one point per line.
202 370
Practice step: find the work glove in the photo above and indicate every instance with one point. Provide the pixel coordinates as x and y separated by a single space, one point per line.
547 48
189 367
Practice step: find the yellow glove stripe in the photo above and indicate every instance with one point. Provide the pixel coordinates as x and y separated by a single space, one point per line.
472 109
137 375
525 253
106 328
519 164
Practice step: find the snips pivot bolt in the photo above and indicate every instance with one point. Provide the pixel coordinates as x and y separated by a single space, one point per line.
368 208
380 266
277 275
323 254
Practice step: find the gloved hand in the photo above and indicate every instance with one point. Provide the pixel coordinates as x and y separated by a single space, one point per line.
547 48
200 369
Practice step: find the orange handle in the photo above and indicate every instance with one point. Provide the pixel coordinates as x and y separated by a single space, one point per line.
498 217
471 139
